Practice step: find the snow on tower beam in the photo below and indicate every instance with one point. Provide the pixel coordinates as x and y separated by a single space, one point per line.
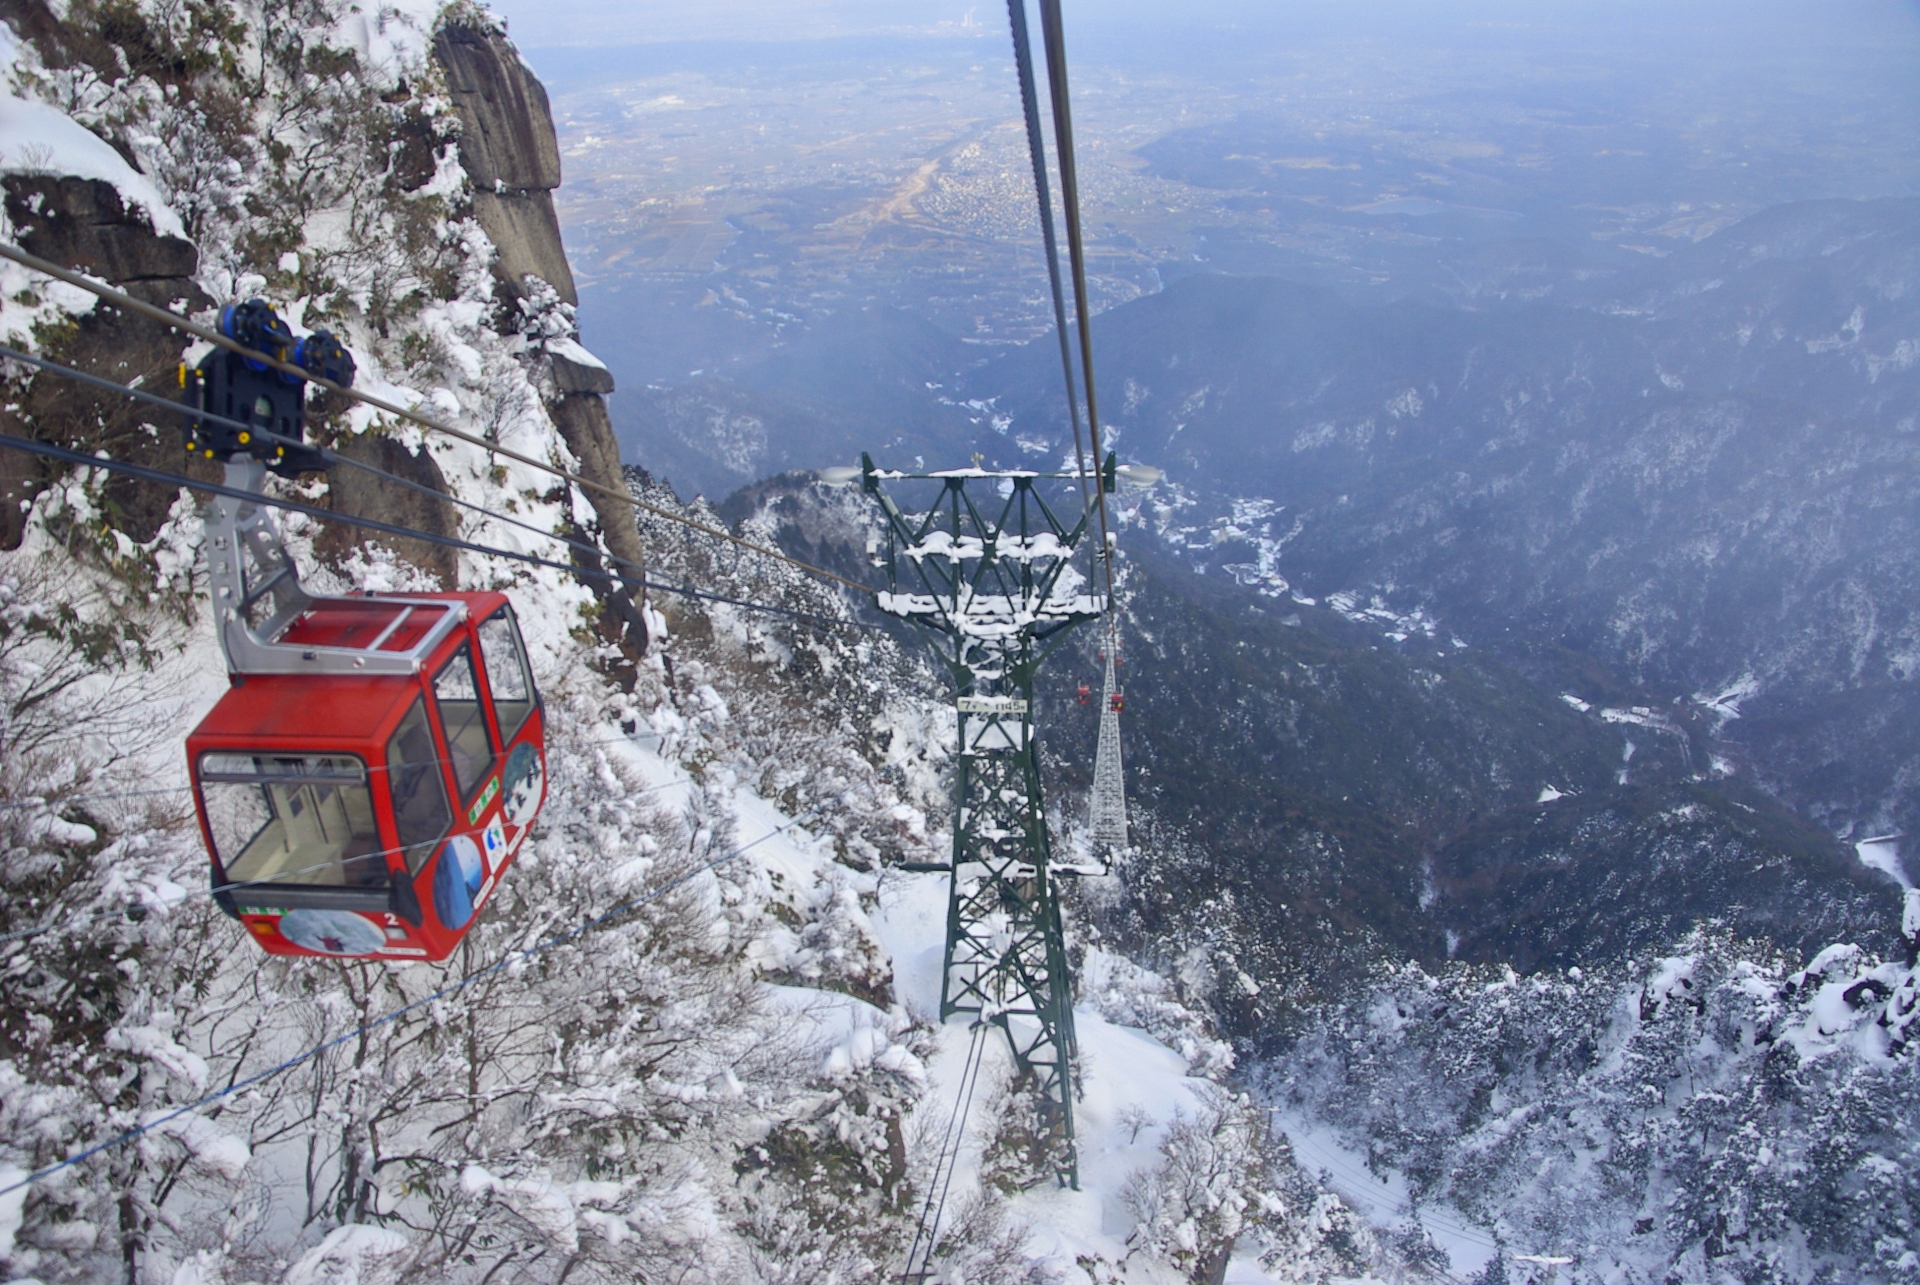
992 579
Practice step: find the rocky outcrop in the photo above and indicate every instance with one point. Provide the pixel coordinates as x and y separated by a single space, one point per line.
84 223
357 493
510 152
577 371
512 155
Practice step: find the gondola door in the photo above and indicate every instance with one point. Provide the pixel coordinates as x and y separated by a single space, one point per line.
467 776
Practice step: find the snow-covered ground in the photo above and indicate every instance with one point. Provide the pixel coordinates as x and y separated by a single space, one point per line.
1121 1068
1382 1199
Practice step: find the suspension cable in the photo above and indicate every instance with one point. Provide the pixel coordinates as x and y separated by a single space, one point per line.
966 1108
51 801
505 961
327 454
1055 40
1037 151
165 317
928 1227
82 460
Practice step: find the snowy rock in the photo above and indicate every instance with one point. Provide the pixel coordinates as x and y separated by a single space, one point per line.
38 139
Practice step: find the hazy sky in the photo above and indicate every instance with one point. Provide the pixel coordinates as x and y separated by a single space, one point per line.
1787 26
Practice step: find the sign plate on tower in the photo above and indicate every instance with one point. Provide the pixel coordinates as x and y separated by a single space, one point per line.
992 705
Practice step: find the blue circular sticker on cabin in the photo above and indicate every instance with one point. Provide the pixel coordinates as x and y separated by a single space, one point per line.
332 932
456 881
524 779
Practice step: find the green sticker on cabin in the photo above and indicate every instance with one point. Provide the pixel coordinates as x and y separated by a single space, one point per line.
480 804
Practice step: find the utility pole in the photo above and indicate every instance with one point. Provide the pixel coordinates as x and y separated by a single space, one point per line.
986 568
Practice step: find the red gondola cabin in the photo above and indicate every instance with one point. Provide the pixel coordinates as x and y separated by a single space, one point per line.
373 814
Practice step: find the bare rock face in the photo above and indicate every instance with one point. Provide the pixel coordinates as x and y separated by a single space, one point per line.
356 493
570 376
583 422
84 224
510 152
509 137
526 231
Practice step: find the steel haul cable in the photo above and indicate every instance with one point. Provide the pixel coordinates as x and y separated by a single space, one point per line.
128 303
81 460
330 456
1037 150
953 1162
928 1227
1055 40
394 1015
51 801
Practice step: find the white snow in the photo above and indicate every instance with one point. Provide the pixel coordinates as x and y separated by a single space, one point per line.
210 1145
546 1205
36 138
1122 1068
1639 716
1725 703
1383 1199
574 352
357 1254
1134 1086
1883 854
10 1206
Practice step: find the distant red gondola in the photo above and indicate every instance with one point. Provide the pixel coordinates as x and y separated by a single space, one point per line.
1086 694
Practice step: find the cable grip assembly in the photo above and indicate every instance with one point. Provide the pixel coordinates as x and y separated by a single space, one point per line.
252 395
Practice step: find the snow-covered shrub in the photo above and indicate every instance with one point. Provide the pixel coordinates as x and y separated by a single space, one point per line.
1216 1179
982 1245
100 988
827 1187
1018 1149
1129 995
1716 1114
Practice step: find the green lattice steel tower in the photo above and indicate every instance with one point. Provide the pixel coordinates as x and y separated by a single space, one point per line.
986 567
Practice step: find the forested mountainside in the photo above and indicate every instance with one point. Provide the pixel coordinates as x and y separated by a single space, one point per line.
1506 987
1634 551
1319 789
1679 487
1691 481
